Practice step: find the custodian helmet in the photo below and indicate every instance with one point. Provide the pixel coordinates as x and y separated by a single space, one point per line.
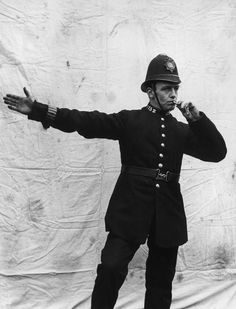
161 68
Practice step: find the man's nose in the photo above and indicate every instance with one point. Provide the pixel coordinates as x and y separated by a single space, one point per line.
173 93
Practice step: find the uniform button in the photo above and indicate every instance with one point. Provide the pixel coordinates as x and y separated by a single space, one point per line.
162 145
162 119
161 155
160 165
163 126
157 185
163 135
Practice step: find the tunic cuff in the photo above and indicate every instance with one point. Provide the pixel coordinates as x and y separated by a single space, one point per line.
50 116
46 114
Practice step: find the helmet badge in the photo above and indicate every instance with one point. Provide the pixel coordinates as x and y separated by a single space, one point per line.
170 65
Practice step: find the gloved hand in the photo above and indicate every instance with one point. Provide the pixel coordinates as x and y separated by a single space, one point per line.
22 105
189 111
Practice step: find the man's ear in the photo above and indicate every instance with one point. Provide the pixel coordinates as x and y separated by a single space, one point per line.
150 93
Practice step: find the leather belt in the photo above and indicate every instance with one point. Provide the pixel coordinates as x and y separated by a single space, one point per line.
150 172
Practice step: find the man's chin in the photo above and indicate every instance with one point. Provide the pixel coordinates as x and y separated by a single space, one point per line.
170 108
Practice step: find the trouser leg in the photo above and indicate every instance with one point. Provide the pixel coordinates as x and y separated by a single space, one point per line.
160 271
112 271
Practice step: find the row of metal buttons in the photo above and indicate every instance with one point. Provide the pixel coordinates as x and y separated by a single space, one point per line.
160 165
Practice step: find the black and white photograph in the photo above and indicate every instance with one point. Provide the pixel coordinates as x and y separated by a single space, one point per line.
118 154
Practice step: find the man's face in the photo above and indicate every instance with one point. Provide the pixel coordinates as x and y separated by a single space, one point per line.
167 94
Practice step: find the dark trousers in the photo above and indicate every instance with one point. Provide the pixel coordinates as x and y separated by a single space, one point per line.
111 273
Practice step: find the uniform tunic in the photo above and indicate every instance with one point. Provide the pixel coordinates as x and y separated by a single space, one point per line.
150 140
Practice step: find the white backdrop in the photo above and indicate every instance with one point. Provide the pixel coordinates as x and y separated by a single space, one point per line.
54 187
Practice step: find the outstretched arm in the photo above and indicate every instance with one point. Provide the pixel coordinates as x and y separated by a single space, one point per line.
93 124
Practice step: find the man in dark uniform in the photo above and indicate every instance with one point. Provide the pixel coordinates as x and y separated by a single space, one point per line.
146 203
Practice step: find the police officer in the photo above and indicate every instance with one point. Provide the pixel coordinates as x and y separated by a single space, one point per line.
146 203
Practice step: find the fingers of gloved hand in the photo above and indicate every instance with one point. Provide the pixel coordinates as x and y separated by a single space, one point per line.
190 105
178 104
12 96
181 106
26 92
192 109
10 101
13 107
187 107
187 110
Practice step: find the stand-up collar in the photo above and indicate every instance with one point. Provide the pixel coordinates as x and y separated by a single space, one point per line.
154 110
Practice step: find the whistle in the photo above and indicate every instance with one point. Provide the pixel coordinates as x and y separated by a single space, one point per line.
177 103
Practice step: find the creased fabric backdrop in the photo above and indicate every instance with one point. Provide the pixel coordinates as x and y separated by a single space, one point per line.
54 187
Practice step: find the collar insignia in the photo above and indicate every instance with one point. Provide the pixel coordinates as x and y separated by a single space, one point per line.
151 109
154 110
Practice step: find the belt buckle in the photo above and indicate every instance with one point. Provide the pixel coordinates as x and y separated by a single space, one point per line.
161 176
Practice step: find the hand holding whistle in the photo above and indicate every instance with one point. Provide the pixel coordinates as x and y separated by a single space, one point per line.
189 111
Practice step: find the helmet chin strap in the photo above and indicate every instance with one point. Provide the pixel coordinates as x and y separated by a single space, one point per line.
156 97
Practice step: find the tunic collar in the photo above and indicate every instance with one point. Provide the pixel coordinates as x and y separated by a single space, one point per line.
154 110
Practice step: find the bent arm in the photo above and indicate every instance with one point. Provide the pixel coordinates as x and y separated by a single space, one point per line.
204 141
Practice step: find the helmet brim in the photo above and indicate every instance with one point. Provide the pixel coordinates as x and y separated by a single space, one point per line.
162 77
